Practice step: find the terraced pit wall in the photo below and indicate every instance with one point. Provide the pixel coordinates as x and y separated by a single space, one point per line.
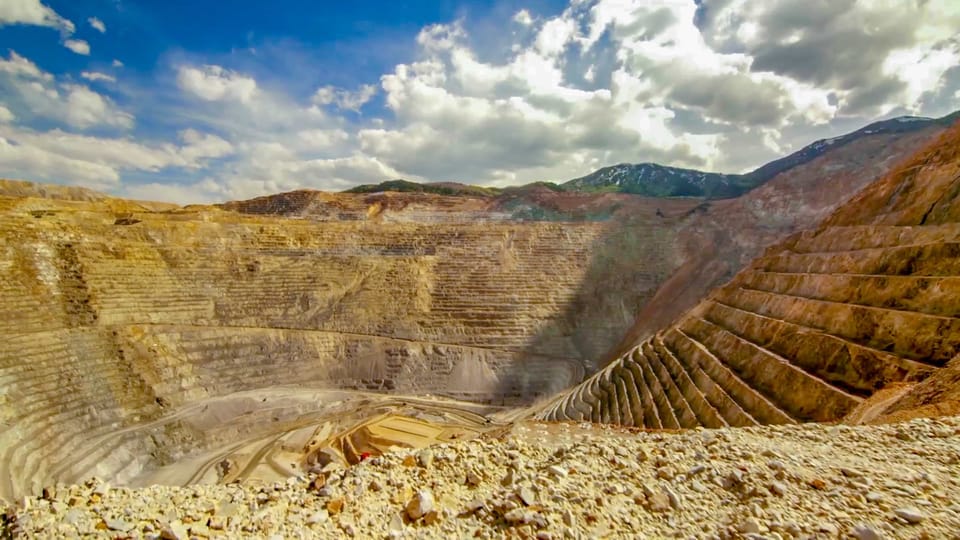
808 331
111 320
136 335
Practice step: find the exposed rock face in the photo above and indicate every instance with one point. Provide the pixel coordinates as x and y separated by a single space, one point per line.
388 206
108 326
136 335
17 188
656 257
817 324
730 234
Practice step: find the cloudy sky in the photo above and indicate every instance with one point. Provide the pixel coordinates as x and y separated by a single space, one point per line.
194 101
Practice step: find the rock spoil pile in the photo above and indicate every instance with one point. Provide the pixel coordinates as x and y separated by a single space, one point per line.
566 481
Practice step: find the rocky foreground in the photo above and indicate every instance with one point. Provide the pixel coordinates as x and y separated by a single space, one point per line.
565 481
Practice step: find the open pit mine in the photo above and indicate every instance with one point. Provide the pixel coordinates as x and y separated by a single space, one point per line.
536 363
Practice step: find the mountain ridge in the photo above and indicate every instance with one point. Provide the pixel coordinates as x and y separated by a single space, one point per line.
664 181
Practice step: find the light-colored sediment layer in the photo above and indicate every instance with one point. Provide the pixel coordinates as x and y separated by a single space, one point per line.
566 481
110 325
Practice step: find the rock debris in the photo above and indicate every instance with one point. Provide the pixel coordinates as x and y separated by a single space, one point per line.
566 481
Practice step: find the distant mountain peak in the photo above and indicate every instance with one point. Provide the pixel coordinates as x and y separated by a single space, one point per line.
655 180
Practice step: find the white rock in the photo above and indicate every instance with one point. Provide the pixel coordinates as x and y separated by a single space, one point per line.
750 525
910 513
518 515
118 525
318 517
420 504
174 531
473 478
675 501
851 473
527 495
425 458
866 532
557 471
396 524
73 516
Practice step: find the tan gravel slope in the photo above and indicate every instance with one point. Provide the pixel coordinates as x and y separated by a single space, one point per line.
566 481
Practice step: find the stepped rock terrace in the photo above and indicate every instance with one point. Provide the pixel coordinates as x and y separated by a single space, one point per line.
814 327
153 344
118 322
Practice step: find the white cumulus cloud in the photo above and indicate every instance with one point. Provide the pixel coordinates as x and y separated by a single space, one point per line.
461 118
214 83
18 66
345 99
32 12
36 93
34 163
97 76
722 85
5 115
98 162
78 46
86 108
97 24
198 146
523 17
872 57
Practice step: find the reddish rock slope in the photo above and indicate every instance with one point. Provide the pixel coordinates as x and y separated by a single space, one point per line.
819 323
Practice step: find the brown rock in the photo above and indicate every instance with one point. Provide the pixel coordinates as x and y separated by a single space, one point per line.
335 506
431 517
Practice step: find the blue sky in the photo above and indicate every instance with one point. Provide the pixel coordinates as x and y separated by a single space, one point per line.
207 101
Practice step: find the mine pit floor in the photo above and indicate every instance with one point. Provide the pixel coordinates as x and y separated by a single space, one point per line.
267 435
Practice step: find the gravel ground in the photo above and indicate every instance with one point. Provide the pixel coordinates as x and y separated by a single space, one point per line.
565 481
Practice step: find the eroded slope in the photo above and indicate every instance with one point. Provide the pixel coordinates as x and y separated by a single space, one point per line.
819 323
139 336
112 321
658 257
